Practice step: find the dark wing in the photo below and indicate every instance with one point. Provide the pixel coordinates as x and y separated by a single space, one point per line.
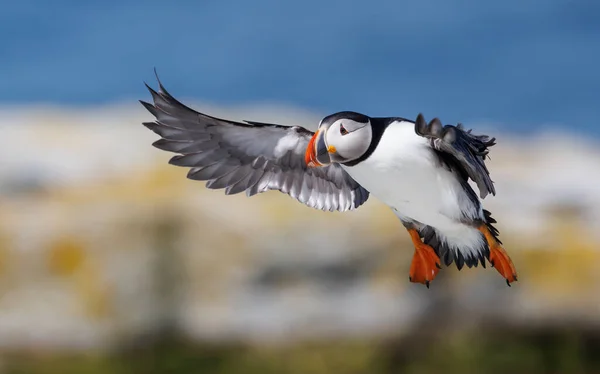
467 149
249 157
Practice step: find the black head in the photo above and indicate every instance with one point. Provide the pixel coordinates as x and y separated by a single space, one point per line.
341 137
348 115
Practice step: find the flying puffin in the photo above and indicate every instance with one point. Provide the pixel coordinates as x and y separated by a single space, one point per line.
419 169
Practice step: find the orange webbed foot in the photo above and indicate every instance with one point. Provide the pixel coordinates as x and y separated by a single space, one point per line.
425 263
499 258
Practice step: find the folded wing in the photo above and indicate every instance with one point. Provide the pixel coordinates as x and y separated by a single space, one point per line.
464 150
252 157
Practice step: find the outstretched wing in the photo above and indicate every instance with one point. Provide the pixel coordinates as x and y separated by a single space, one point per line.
251 157
468 150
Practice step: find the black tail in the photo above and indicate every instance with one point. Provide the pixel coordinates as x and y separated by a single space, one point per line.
447 255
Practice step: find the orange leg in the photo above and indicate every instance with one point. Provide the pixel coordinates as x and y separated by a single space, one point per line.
499 258
425 263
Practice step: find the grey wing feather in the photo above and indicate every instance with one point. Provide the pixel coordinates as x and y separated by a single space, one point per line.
467 149
253 157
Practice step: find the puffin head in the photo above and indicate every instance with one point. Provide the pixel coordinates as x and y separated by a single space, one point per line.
341 137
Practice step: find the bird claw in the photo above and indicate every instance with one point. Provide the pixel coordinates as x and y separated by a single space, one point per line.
425 263
514 280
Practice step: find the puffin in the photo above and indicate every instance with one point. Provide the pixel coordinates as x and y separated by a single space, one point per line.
421 170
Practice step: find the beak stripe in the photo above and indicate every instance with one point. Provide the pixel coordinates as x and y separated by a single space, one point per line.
310 157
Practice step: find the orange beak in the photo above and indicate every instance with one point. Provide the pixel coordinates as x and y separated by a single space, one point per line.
310 157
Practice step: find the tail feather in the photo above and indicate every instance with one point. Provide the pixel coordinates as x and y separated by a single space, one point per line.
489 223
453 249
465 245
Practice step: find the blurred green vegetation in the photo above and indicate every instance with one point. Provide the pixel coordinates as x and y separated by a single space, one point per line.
570 351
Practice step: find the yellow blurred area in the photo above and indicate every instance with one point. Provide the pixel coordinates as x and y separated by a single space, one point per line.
66 256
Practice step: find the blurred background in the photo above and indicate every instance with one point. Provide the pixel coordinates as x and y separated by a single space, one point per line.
111 261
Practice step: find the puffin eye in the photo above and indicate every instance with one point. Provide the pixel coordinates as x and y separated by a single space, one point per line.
343 130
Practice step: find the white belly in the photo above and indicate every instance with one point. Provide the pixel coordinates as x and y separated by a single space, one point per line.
405 174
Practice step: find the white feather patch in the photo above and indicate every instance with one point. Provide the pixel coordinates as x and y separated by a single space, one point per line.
285 144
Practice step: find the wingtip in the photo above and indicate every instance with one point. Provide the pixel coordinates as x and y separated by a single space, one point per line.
484 192
155 95
149 107
420 124
161 88
436 120
156 75
436 128
148 86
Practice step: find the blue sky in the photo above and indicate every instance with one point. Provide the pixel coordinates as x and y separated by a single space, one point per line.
519 64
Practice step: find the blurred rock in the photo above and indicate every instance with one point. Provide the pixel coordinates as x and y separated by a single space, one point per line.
102 242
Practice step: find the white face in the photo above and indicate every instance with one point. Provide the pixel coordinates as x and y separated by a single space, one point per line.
350 139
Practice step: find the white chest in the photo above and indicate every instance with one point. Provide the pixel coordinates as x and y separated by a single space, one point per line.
405 174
